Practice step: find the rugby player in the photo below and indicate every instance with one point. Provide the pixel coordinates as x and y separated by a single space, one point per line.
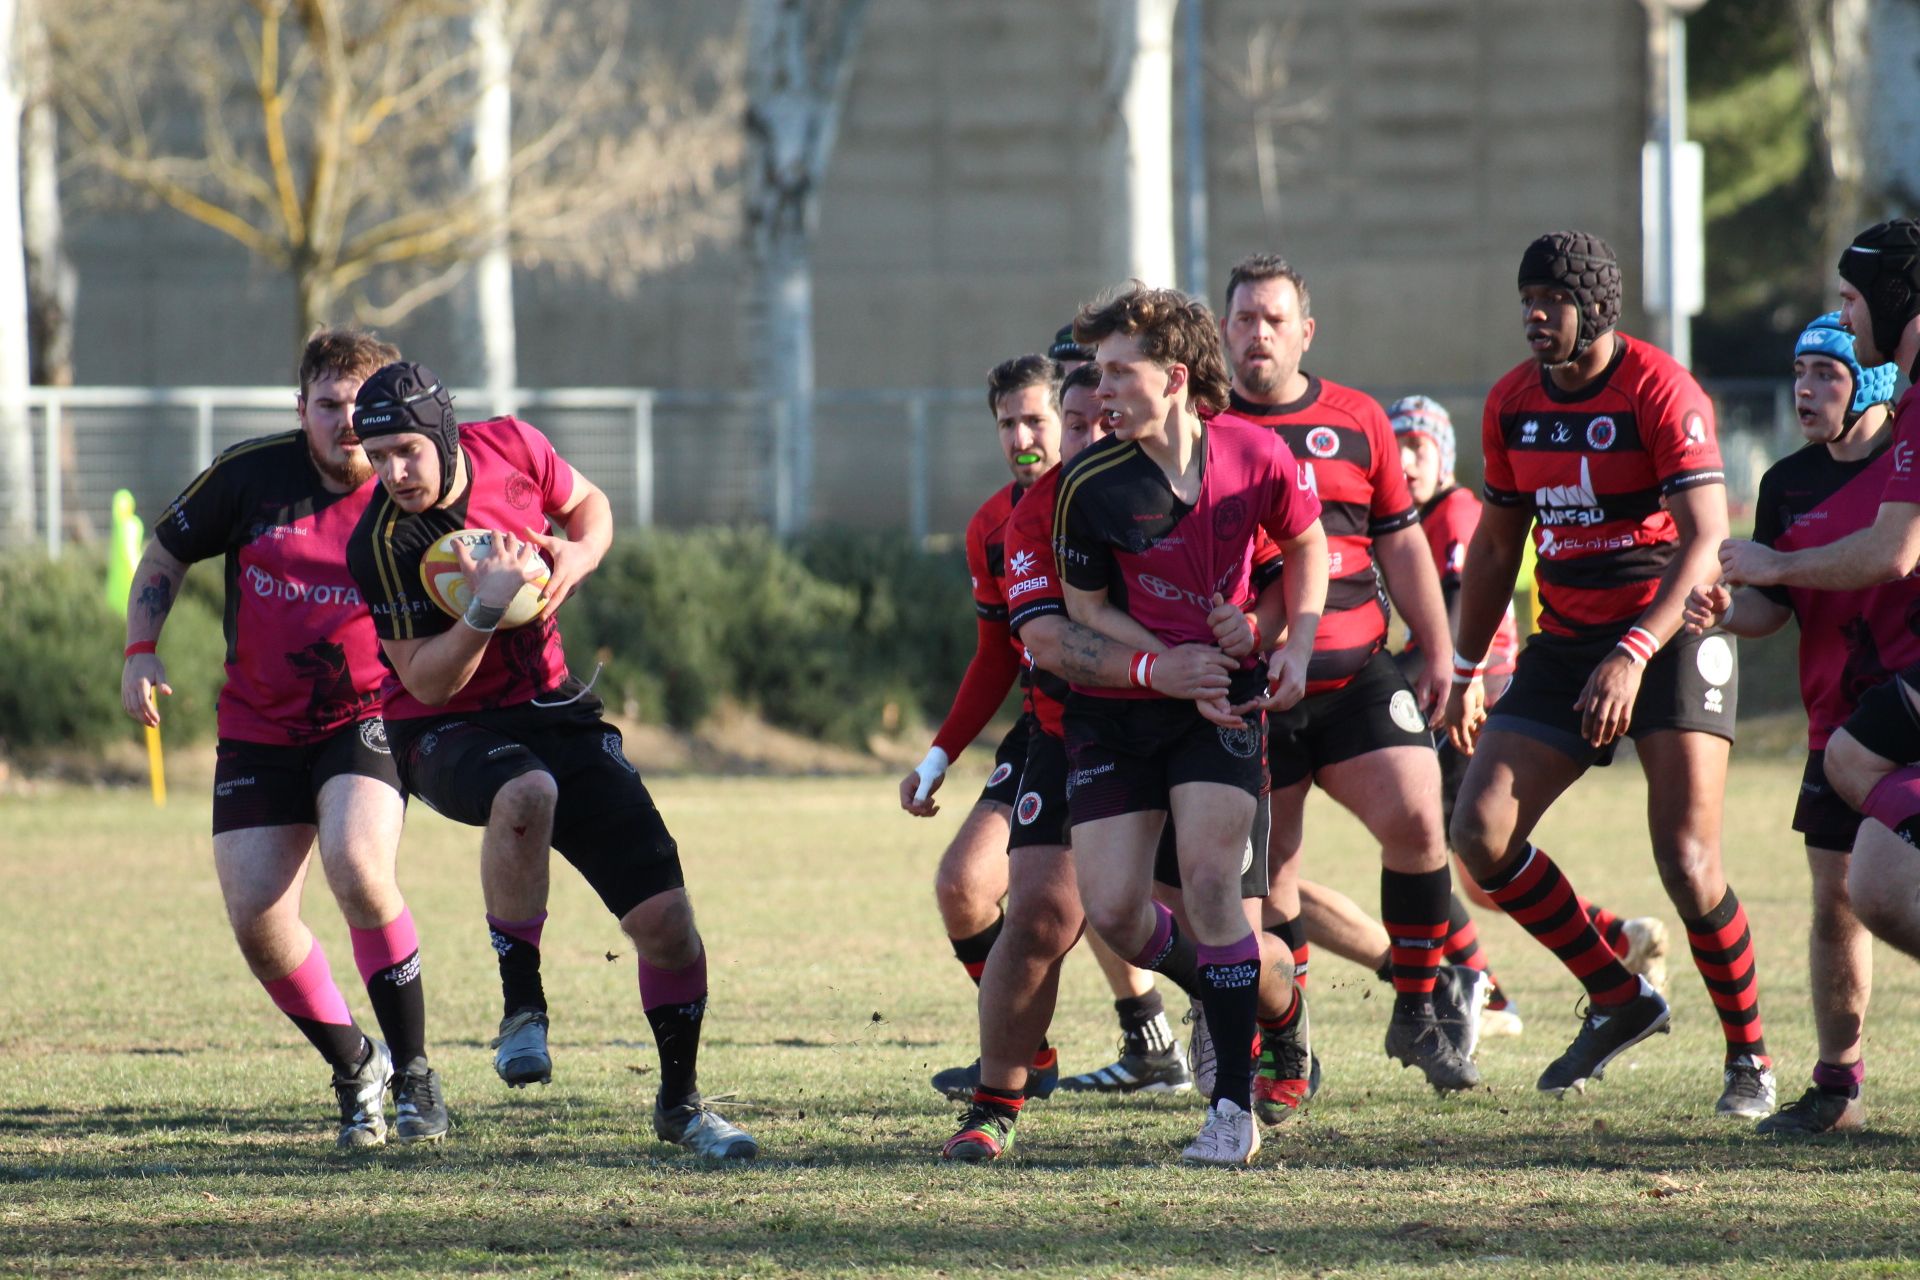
1361 733
491 730
1605 447
1043 916
1153 530
1850 641
1871 760
302 749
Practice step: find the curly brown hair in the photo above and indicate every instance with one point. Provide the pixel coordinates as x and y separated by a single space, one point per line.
1171 329
343 353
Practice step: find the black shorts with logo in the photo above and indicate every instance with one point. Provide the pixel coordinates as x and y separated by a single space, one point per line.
1254 880
1375 709
1125 755
1040 811
604 822
1003 784
1883 722
1827 821
1693 684
256 784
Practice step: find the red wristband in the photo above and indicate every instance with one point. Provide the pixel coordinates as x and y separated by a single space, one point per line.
1140 670
142 646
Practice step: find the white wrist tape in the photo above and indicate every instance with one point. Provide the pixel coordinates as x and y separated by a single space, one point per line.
931 770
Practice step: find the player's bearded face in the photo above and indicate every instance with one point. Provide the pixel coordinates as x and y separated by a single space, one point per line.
1551 319
1822 390
1135 394
1266 336
1029 432
1854 314
409 468
326 419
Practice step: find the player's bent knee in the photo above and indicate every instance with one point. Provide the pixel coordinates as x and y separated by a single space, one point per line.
530 797
662 928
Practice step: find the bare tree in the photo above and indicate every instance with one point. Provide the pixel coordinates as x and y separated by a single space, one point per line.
52 282
799 62
1280 120
16 448
325 136
1833 50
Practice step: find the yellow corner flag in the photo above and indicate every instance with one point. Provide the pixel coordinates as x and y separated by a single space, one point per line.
123 556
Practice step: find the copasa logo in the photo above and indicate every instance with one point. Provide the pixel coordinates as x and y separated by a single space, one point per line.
292 591
1022 564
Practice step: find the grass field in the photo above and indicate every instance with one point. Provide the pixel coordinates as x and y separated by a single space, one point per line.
157 1115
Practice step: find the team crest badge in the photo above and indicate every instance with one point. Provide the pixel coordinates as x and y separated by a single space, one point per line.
373 736
1001 772
1601 433
610 743
1246 857
1405 712
1714 658
1323 442
1242 743
1029 808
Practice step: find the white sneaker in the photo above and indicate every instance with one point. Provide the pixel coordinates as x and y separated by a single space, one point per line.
520 1050
704 1132
1229 1137
1200 1056
1646 950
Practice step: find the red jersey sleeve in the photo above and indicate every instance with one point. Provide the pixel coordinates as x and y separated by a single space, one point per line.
1449 529
1681 437
987 600
1033 583
1392 508
1496 469
1292 503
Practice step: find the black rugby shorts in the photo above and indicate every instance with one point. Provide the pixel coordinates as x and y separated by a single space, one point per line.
1254 879
1820 815
1009 758
1125 755
1040 809
1374 710
260 785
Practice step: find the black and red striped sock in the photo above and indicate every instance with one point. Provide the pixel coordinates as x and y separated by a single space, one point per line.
1292 933
1463 947
972 952
1610 926
1722 949
1005 1102
1414 910
1539 899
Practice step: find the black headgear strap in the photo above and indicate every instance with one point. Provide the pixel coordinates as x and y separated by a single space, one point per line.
1883 263
403 397
1585 267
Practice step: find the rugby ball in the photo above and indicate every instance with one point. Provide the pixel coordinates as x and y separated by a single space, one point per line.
447 586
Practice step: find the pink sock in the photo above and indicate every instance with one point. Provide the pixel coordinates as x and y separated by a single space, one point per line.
1895 799
673 986
378 949
527 931
308 992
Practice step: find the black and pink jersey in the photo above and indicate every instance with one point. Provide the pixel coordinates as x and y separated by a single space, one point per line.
302 658
1346 450
1594 467
1850 641
1119 527
514 482
1903 478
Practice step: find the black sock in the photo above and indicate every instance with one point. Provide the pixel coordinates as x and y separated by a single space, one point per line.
400 1007
1230 992
1143 1022
342 1044
520 986
676 1032
972 952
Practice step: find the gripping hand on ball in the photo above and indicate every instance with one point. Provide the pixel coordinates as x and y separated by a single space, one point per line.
497 579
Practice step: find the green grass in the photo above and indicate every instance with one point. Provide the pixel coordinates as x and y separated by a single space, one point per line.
156 1115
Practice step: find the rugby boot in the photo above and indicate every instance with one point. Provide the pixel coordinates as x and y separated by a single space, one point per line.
1227 1137
520 1050
1459 1004
1748 1090
1646 952
419 1111
1416 1040
1138 1070
1605 1034
1043 1077
703 1131
1501 1018
1287 1074
1200 1055
362 1094
986 1133
1815 1111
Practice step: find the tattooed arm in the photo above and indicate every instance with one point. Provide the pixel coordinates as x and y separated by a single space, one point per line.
1086 657
156 585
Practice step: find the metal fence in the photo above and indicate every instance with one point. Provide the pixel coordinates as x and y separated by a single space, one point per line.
917 460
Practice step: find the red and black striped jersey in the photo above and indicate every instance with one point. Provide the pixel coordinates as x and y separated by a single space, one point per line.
1033 589
986 553
996 659
1448 520
1595 466
1348 456
1119 527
